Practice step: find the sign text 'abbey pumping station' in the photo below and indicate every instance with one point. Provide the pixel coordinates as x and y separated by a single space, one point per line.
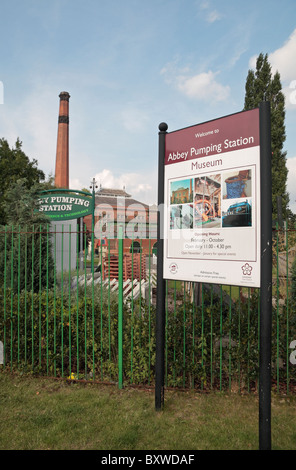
65 206
212 199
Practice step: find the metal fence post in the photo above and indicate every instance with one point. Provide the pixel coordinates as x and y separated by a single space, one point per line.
266 281
120 307
160 301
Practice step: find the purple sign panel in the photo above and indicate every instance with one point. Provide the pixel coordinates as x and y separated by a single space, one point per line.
212 202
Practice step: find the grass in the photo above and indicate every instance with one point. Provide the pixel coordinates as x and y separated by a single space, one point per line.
47 414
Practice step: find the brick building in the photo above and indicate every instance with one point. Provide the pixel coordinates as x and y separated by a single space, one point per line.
182 195
116 208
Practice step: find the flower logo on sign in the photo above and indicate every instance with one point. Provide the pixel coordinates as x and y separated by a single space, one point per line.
173 268
247 269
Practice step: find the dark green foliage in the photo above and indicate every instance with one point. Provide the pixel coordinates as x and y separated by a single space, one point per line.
15 165
261 85
23 255
25 242
206 346
214 345
58 335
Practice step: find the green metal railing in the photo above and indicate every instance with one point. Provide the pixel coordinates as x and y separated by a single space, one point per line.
66 316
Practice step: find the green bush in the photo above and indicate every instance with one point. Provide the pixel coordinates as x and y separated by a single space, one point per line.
55 333
70 333
26 257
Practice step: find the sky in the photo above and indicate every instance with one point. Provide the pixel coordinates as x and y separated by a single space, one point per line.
128 66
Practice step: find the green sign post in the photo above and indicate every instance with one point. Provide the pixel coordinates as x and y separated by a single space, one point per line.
64 205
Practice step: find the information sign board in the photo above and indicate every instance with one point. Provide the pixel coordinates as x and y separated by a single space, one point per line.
212 201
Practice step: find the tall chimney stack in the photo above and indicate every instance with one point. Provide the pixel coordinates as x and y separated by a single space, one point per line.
62 155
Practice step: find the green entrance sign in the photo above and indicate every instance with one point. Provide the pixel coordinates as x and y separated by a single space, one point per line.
65 204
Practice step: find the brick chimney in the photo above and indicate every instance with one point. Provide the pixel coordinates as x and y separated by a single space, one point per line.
62 155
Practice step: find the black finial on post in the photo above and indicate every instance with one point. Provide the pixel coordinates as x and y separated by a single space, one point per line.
163 127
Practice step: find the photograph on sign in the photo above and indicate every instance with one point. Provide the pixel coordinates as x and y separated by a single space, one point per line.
212 202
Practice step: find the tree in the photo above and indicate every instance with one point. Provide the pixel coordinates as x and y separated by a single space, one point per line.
25 244
262 86
14 164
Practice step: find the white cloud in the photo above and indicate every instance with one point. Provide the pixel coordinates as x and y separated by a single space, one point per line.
212 15
283 59
135 184
290 95
75 183
252 62
203 86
